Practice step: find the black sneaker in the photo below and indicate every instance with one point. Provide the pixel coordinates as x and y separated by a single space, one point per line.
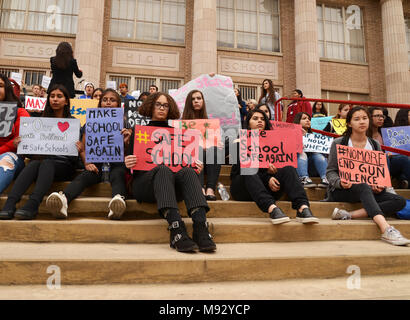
277 216
306 216
202 237
25 215
307 182
179 238
7 214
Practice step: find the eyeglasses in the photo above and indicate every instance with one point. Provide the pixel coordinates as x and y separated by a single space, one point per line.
112 100
160 105
380 116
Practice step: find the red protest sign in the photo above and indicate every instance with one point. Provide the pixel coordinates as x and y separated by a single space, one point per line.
210 129
363 166
174 148
291 126
258 149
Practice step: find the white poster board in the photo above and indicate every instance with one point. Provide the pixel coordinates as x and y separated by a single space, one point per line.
315 142
45 82
35 103
18 77
111 85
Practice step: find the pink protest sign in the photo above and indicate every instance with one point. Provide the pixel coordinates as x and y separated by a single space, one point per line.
291 126
259 149
210 129
363 166
174 148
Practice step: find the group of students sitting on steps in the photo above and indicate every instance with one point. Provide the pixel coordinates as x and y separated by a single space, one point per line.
165 187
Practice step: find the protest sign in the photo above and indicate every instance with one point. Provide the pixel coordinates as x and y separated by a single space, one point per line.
363 166
132 116
8 115
78 108
319 123
174 148
315 142
35 103
397 137
210 130
111 85
258 149
339 125
49 136
18 77
221 102
45 82
291 126
103 139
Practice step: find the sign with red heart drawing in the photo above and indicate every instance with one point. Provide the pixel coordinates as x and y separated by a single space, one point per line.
49 136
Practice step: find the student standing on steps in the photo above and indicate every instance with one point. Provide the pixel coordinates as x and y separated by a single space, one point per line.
377 203
44 170
267 185
58 202
165 187
195 108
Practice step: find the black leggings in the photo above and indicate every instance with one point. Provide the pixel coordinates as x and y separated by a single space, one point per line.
88 178
383 203
44 172
251 187
212 167
166 188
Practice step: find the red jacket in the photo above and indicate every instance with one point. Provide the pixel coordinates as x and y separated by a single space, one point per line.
6 144
298 106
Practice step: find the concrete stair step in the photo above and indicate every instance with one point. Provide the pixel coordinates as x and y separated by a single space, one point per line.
224 230
85 264
98 207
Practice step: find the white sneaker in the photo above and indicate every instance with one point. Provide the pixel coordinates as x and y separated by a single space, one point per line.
117 207
394 237
57 205
340 214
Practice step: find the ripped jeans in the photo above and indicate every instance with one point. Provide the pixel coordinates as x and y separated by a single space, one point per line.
10 167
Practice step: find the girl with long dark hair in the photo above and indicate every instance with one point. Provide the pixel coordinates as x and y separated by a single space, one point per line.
44 170
63 65
297 106
269 97
58 202
166 188
377 203
10 163
267 185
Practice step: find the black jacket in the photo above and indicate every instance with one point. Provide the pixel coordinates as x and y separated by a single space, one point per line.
64 76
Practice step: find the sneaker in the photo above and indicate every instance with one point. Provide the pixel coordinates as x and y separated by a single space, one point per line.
117 207
340 214
307 182
57 205
277 216
306 216
391 190
324 183
394 237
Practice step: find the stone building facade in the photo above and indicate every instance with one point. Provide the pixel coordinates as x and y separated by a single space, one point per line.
337 49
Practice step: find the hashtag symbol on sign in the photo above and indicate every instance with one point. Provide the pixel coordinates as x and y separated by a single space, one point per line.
25 147
142 137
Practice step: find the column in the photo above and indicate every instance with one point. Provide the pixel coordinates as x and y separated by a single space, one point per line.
395 52
204 39
306 48
88 43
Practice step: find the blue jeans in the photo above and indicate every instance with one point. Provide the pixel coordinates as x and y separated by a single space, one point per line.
312 162
399 166
7 173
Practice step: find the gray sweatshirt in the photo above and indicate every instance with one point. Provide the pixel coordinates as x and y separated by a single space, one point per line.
332 171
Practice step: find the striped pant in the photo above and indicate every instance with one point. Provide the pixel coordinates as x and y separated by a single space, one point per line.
166 188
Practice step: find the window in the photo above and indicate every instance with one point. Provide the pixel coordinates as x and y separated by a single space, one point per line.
7 72
153 20
33 77
143 84
340 33
34 15
407 23
248 24
248 92
332 108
